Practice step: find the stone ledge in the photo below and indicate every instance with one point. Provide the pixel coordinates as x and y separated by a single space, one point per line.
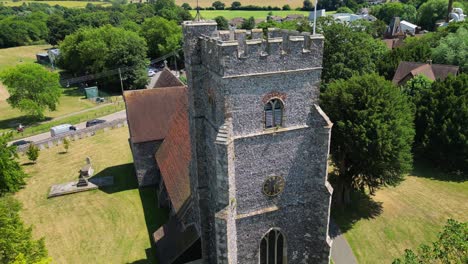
71 187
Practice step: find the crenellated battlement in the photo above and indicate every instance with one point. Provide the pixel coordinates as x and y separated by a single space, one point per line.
240 52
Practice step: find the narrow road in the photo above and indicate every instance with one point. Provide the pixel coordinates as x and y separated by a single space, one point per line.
341 252
111 117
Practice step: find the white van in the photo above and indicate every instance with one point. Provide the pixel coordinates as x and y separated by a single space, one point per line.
60 129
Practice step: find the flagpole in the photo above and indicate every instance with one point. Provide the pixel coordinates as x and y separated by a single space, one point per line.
315 15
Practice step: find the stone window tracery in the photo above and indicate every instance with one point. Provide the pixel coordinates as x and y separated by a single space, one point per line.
273 248
273 113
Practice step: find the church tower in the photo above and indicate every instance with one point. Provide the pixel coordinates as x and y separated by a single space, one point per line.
260 144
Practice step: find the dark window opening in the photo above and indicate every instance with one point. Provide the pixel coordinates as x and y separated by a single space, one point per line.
273 113
272 248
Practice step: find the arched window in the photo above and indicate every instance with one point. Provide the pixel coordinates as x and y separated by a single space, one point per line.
273 113
273 248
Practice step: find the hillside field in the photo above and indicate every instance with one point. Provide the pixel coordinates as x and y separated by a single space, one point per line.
228 14
278 3
71 4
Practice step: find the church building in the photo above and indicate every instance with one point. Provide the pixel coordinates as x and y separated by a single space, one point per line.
239 155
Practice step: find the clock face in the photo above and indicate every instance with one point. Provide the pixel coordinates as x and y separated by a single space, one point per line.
273 185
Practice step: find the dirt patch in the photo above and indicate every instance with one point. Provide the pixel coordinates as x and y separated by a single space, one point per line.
3 93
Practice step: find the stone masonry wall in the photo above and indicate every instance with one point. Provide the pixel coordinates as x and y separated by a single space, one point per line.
146 168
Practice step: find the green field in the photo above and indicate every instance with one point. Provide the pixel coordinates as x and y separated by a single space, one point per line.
71 4
274 3
228 14
112 225
379 230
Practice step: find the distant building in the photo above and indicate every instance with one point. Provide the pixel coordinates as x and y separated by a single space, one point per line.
347 17
236 22
455 16
407 70
320 13
398 28
293 17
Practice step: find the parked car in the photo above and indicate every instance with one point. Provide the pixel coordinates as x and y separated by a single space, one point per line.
60 129
94 122
151 73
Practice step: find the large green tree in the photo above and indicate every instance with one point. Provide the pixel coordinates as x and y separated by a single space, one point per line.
453 49
94 50
390 10
441 123
371 136
450 247
162 35
11 173
16 242
222 22
348 52
32 88
430 12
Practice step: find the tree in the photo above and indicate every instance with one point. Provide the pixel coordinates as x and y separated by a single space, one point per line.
348 52
16 242
390 10
236 5
248 23
344 9
59 28
32 88
371 136
286 7
307 5
430 12
66 144
186 6
441 127
11 173
449 248
222 22
170 11
163 36
453 49
218 5
32 153
94 50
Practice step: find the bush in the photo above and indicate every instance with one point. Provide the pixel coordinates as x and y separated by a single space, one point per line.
11 173
286 7
32 153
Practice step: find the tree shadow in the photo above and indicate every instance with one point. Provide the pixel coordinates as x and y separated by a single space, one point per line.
362 207
12 123
28 164
426 169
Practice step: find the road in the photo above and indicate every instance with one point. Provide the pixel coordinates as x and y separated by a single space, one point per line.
111 117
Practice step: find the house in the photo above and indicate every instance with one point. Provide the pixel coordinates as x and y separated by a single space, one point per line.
275 18
407 70
293 17
236 22
347 17
320 13
399 27
239 150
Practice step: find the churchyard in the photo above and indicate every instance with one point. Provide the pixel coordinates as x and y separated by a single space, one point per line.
402 217
110 225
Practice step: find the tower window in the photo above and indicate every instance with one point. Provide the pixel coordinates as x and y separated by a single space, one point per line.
273 113
273 248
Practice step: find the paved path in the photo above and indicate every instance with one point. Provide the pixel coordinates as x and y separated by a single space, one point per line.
341 252
111 117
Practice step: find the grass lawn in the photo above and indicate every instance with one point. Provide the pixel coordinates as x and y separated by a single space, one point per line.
379 230
228 14
112 225
71 4
278 3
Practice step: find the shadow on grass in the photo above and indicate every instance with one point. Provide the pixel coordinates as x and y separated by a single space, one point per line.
362 207
125 179
28 121
425 169
28 164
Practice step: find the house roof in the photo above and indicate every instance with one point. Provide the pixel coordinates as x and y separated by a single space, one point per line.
407 70
149 112
167 79
174 156
394 43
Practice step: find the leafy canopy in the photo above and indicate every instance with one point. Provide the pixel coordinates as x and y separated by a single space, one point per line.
94 50
372 132
32 88
11 173
453 49
16 242
162 35
450 247
430 12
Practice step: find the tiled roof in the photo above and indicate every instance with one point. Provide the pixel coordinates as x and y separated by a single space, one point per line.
174 155
149 112
406 70
167 79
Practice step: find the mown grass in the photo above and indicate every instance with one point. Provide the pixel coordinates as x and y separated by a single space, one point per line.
274 3
71 4
112 225
229 14
396 218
